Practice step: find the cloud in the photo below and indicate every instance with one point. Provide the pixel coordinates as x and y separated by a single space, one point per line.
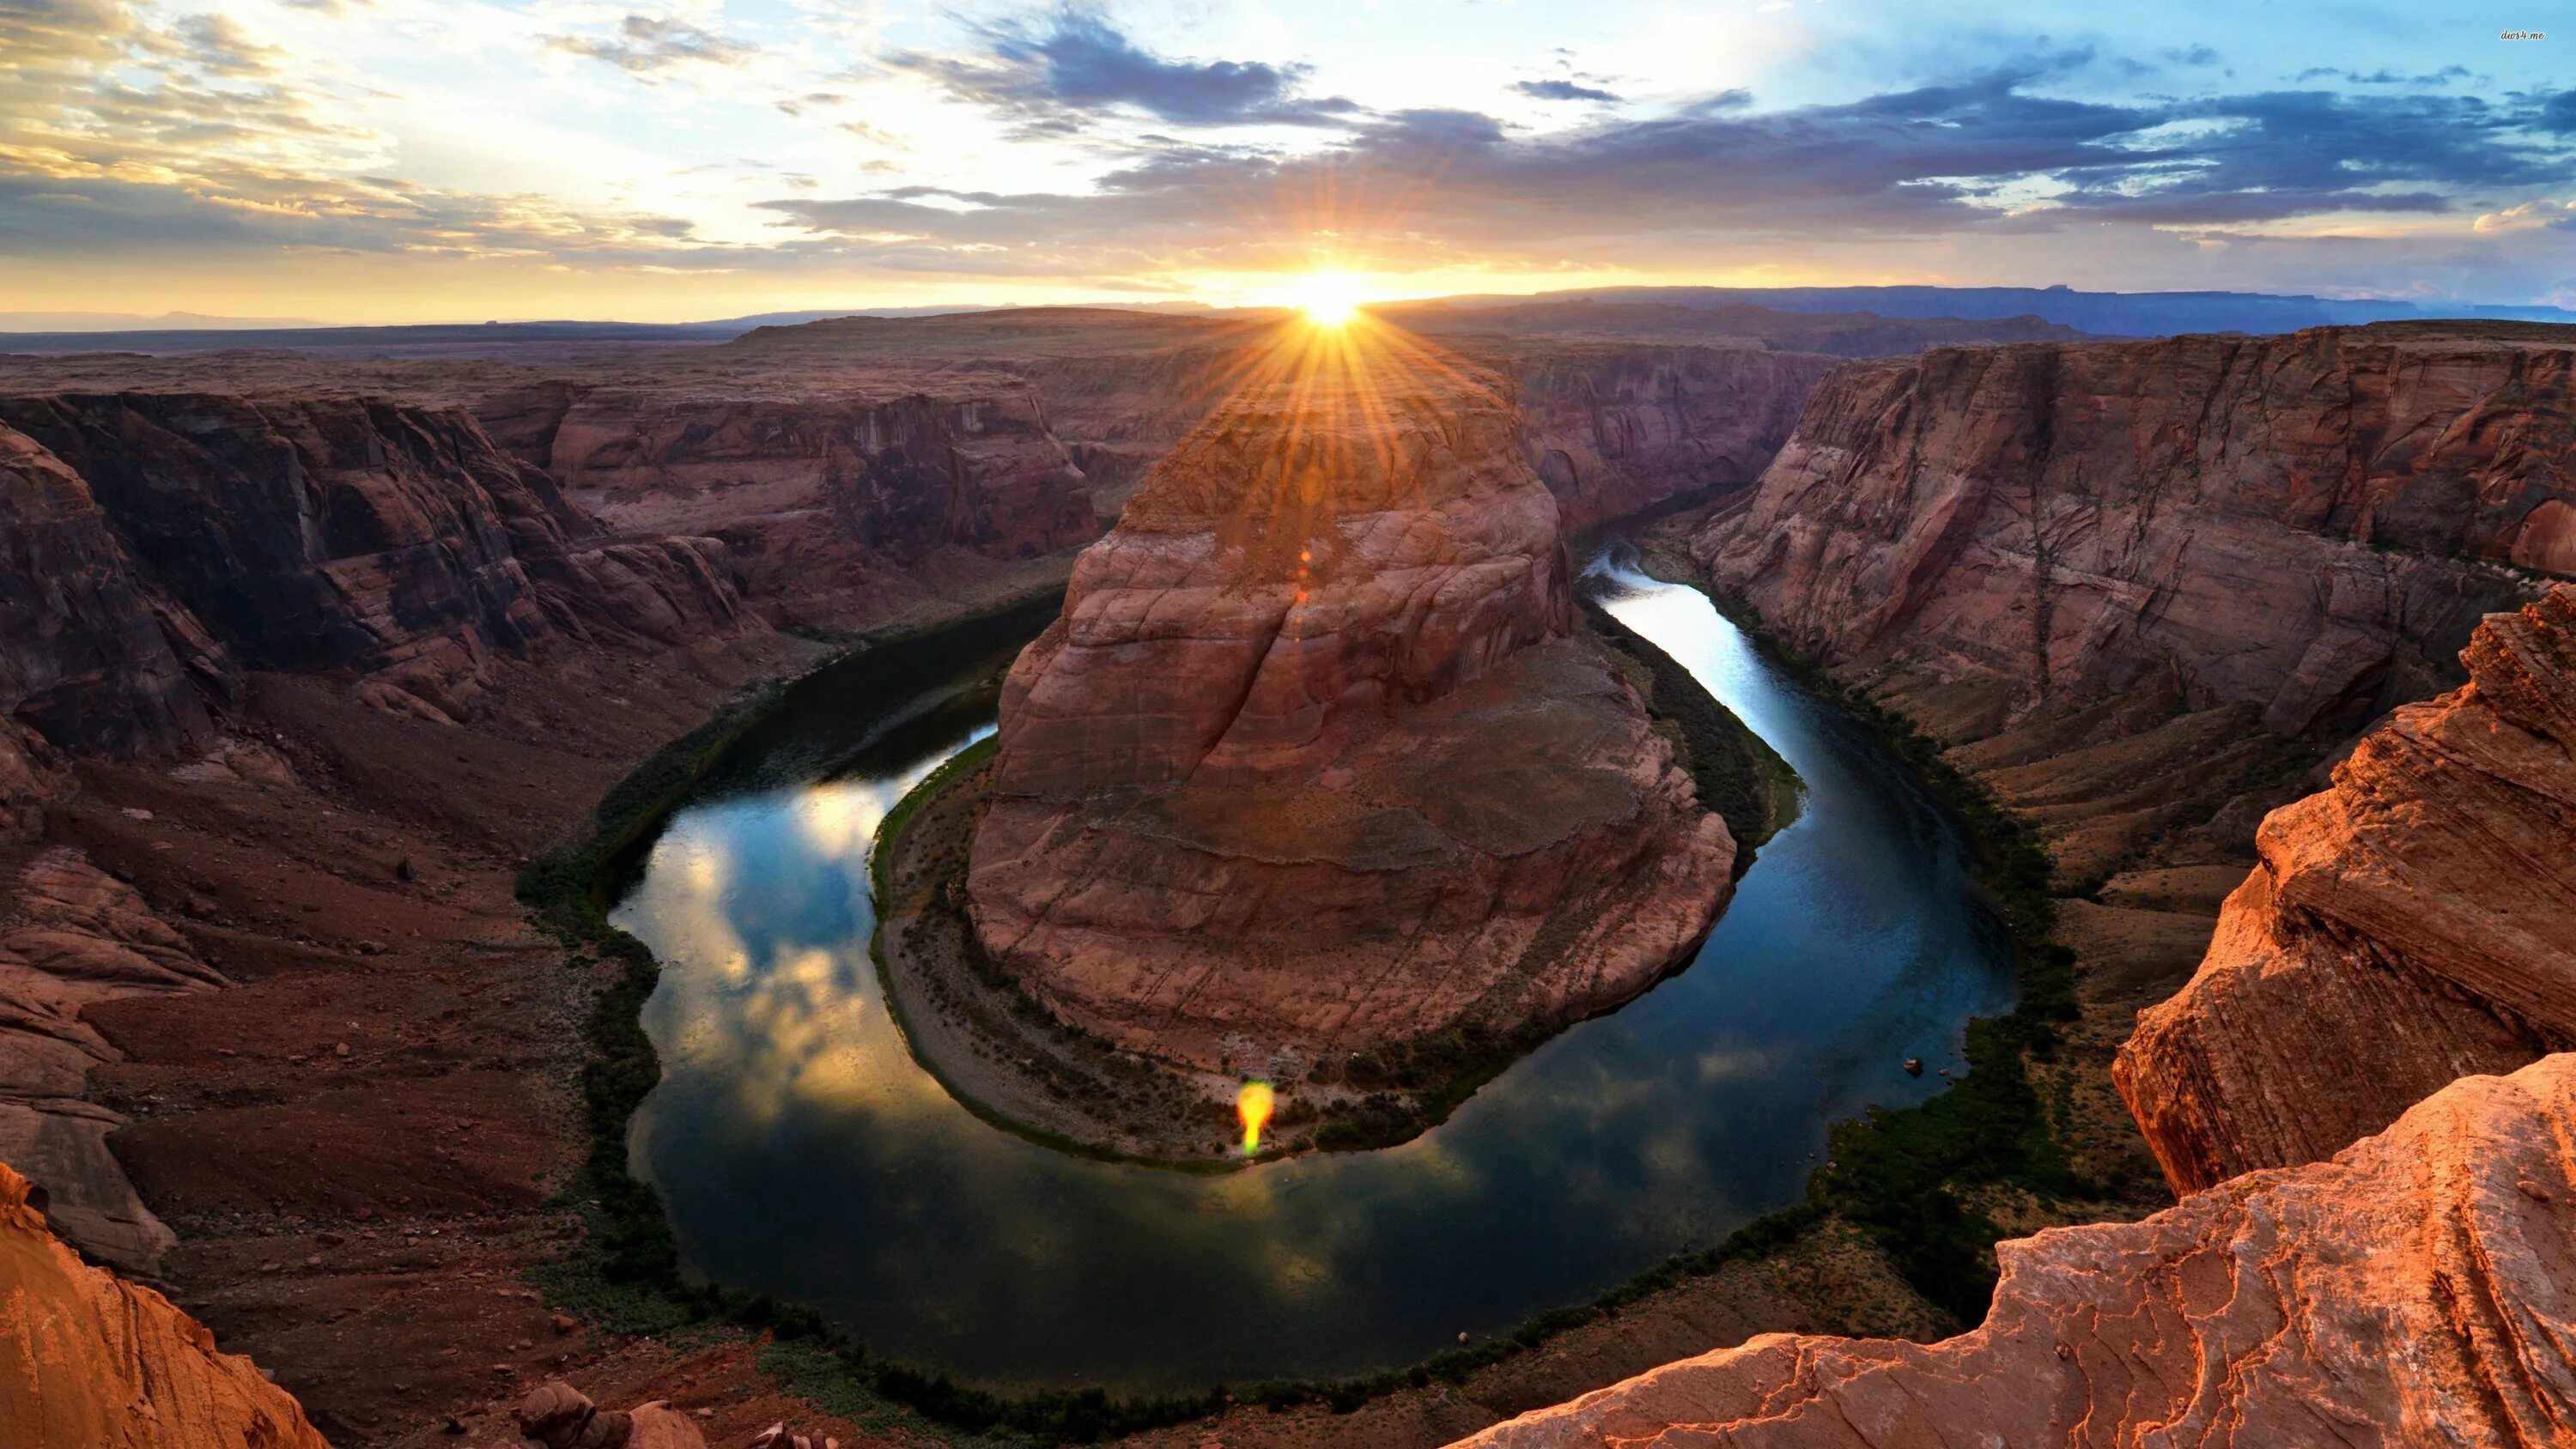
1561 90
1055 73
123 136
2383 76
2525 216
650 48
1987 152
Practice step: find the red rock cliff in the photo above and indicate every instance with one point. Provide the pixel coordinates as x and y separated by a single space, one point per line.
2414 1291
332 534
820 501
1616 429
89 656
90 1362
2413 924
2307 526
1309 763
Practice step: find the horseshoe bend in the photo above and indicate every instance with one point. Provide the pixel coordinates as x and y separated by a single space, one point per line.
1312 764
1173 726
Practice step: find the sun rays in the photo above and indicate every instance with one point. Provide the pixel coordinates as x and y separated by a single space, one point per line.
1350 415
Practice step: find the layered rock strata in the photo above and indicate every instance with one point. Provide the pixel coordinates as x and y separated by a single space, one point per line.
1614 430
73 937
2306 526
2413 924
319 534
89 1362
2418 1289
89 657
814 498
1310 763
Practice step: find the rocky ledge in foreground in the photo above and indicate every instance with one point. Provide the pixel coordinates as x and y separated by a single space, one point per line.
2418 1289
87 1360
1312 765
2415 923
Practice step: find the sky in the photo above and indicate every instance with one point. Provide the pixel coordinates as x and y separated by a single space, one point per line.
464 160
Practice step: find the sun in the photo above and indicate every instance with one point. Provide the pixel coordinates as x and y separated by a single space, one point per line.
1329 299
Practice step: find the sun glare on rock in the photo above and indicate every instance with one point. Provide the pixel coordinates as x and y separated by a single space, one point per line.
1329 299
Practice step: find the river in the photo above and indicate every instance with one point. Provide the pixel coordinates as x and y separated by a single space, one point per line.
801 1152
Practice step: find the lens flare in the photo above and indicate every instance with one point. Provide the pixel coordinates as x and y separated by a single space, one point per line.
1329 299
1252 1104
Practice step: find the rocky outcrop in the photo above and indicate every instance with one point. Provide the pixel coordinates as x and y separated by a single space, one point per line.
2413 924
817 498
315 534
559 1416
89 1362
76 936
1310 764
2415 1290
86 651
1613 430
2306 526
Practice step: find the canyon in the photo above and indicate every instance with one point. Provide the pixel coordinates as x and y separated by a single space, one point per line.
2401 1284
301 661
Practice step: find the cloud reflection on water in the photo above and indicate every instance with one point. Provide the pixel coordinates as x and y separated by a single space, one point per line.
803 1153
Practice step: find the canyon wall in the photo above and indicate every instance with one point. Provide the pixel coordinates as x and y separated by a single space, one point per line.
1613 430
2413 924
2415 1290
88 659
1310 762
2404 943
2307 526
816 499
317 534
87 1360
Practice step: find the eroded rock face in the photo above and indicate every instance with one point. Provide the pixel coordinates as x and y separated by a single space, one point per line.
348 534
73 936
812 498
2413 924
2298 525
2415 1290
90 1362
1612 430
85 657
1310 763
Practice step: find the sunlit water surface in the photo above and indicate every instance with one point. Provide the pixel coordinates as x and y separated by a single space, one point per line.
801 1152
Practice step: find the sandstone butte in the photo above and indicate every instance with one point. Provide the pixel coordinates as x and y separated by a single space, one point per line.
1311 762
88 1361
2415 923
2419 1289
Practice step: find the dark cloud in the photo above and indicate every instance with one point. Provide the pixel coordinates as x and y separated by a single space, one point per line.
1562 90
648 47
2383 76
2558 114
1054 73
